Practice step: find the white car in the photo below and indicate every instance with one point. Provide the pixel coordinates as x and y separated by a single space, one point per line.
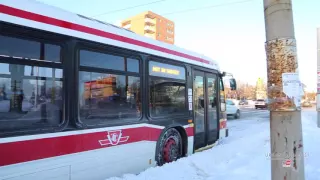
232 109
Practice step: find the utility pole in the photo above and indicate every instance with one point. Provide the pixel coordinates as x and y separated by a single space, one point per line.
318 76
284 92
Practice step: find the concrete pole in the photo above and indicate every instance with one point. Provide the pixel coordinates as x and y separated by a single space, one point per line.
318 76
287 160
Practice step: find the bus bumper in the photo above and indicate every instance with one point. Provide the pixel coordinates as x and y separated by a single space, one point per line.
223 133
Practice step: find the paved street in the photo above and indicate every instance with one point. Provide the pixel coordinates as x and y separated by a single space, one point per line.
252 113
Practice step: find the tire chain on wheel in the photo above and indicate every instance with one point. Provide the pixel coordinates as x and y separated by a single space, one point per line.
170 133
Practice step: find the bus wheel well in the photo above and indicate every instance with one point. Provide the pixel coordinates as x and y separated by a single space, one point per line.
172 145
184 137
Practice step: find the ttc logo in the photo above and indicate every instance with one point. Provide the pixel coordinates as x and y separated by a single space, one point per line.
113 138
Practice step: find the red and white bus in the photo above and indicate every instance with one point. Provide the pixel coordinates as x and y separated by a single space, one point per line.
82 99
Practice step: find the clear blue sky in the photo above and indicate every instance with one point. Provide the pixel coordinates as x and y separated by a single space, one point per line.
232 34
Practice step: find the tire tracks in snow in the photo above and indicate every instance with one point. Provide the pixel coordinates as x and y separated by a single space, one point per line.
200 172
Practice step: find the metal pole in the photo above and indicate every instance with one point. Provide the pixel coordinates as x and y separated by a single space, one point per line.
284 92
318 76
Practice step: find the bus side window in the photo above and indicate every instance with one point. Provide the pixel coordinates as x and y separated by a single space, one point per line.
105 96
222 96
31 84
167 88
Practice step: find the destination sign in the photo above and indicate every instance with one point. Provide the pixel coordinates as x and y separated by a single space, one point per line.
166 70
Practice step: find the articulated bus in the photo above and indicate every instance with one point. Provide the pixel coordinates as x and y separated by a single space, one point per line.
83 99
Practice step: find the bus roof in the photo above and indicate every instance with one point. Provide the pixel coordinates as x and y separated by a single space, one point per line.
37 15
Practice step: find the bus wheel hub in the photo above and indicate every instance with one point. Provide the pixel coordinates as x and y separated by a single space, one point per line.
170 150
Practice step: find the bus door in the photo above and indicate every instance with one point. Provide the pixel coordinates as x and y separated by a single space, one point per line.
205 100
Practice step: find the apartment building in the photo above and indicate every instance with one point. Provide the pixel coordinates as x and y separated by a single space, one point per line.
151 25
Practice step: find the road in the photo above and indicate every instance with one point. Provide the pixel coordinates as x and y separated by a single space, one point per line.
252 113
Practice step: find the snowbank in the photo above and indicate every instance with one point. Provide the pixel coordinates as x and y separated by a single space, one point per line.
243 156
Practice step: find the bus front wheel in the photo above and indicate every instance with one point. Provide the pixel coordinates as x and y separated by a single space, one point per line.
170 147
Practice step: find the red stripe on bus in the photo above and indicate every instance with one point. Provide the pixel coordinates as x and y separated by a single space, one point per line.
29 150
23 151
72 26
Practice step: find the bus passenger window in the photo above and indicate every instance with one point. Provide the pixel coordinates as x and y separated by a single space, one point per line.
108 97
16 47
222 96
101 60
105 97
167 87
30 94
132 65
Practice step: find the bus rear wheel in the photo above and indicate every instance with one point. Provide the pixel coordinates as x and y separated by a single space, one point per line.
170 147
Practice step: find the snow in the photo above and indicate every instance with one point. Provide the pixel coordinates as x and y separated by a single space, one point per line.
244 155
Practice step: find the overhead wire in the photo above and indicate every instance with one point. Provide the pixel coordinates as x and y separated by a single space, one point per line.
128 8
207 7
199 8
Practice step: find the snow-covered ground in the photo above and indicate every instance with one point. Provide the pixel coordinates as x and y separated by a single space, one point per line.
244 155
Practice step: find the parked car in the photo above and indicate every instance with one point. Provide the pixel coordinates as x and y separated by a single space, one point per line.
261 104
232 109
243 102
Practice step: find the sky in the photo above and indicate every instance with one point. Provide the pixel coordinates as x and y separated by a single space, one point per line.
231 31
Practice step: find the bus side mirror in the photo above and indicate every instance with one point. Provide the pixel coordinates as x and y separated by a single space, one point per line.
233 84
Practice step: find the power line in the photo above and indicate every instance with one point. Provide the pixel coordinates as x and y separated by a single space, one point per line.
201 8
128 8
208 7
